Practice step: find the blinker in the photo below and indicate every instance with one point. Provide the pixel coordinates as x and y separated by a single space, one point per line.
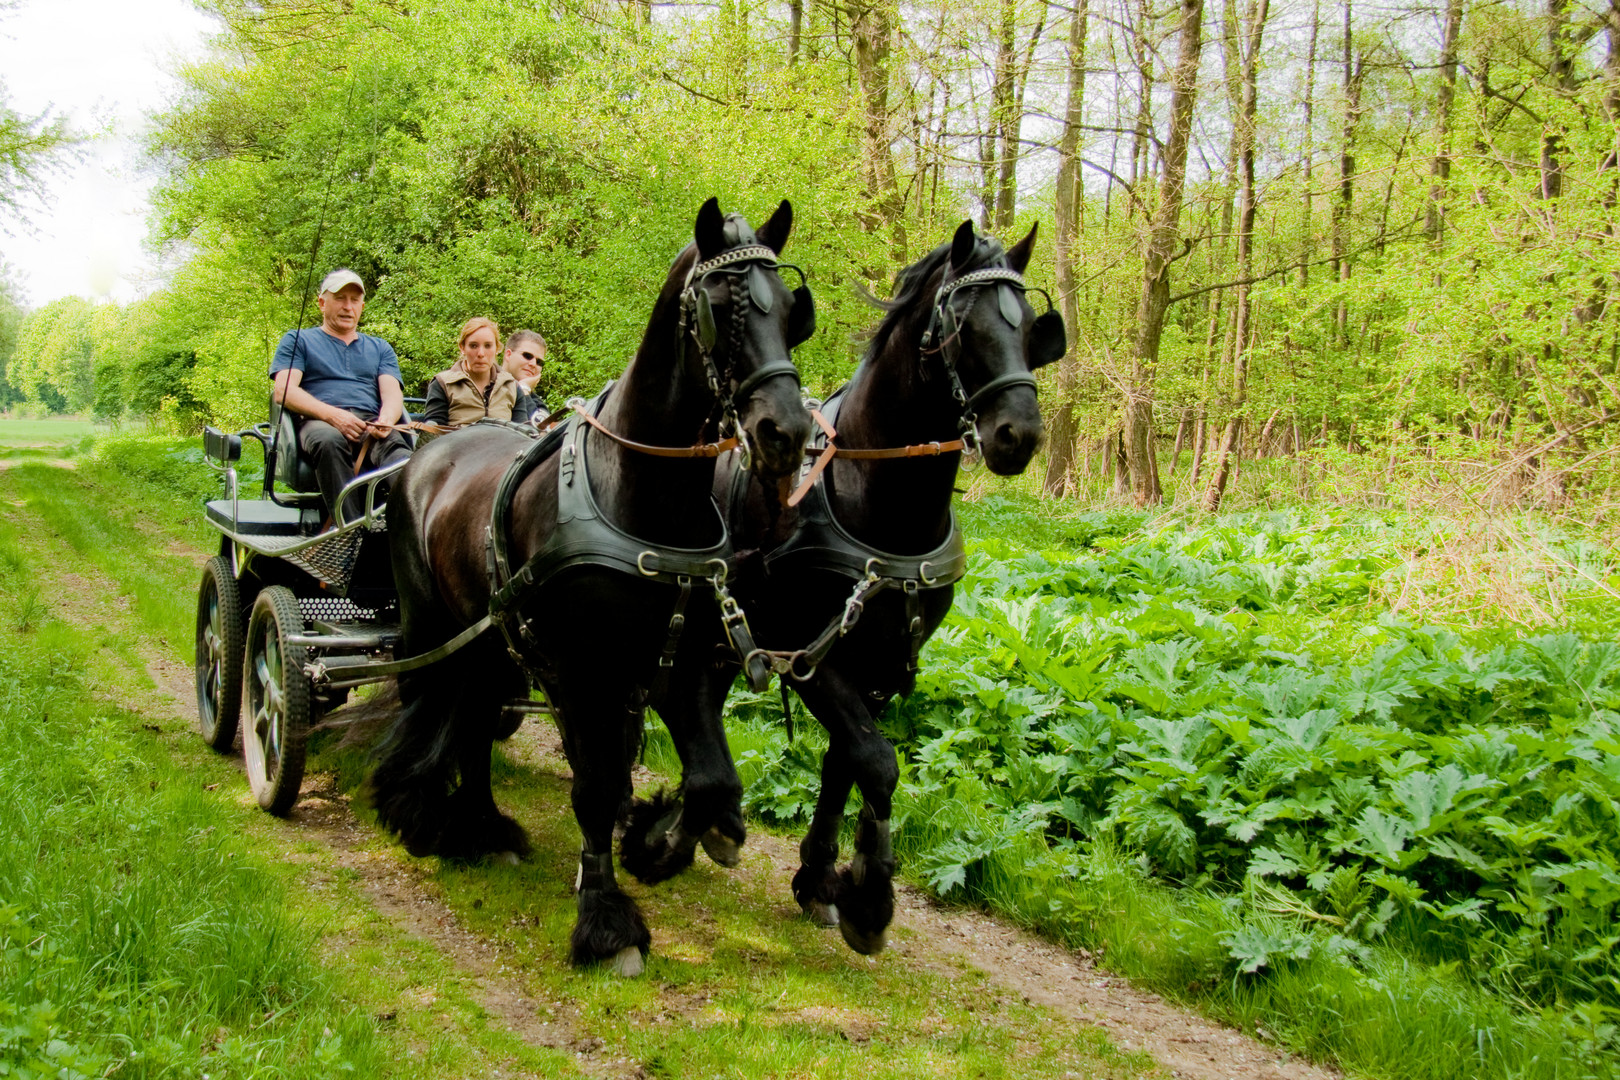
1047 340
802 319
1011 310
705 321
759 289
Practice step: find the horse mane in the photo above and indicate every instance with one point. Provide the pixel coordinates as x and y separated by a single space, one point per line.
910 286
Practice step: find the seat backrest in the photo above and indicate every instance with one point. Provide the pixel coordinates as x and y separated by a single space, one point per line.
293 472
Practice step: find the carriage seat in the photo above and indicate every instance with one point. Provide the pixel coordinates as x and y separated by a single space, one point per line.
256 517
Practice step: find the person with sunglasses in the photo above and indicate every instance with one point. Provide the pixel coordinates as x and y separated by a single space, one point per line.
525 359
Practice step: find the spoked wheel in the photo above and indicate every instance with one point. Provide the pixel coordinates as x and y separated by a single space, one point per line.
219 654
278 701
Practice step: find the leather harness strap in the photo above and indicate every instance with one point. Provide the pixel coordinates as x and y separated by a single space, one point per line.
825 454
819 542
701 450
583 536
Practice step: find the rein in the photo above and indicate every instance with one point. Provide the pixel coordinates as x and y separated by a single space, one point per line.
825 454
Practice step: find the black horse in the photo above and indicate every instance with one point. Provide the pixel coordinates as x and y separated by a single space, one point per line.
845 588
592 555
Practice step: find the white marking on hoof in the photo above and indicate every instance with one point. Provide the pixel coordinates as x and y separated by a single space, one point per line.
722 849
505 858
823 915
628 962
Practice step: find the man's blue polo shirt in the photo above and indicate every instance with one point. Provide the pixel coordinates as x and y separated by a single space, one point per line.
341 375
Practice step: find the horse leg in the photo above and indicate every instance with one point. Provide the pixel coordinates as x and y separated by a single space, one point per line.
865 891
662 834
609 926
815 883
475 826
415 764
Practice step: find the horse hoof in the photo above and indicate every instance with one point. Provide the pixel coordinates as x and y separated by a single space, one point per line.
722 849
628 962
864 943
505 858
822 914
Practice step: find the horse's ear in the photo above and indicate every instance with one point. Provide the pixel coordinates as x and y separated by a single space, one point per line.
710 230
1047 340
962 245
1018 255
774 233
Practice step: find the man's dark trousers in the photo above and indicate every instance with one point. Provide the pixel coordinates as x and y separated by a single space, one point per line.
333 458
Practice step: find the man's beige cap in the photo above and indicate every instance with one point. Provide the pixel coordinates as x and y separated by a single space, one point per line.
339 278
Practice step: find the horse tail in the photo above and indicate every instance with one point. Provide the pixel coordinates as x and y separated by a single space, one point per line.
363 721
416 764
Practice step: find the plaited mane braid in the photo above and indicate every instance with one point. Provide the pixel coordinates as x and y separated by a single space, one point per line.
739 315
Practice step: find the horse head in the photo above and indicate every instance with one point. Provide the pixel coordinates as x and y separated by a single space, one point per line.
741 322
988 339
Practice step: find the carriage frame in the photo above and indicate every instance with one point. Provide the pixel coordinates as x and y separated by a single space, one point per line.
294 611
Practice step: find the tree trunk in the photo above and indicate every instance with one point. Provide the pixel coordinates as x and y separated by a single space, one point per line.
795 29
1200 434
1354 68
872 33
1181 438
1163 238
1308 150
1440 168
1000 169
1067 212
1561 77
1121 467
1244 138
1143 55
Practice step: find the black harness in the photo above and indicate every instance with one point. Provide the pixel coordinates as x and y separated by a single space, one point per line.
583 536
942 334
819 542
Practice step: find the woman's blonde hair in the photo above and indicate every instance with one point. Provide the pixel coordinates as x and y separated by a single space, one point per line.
472 326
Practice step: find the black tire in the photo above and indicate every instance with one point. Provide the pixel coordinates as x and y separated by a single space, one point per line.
278 701
220 625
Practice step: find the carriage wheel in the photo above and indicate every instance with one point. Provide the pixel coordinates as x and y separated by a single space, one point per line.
220 621
278 701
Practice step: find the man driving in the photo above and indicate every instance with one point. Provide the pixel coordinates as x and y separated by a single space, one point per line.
346 388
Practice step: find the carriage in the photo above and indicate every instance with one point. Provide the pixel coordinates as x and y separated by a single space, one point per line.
295 610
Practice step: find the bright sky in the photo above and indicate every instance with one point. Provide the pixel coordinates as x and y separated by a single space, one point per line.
104 64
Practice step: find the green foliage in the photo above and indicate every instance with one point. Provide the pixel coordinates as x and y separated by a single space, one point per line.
1223 699
549 185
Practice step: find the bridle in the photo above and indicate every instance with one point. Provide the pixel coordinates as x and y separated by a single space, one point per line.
944 331
745 267
942 337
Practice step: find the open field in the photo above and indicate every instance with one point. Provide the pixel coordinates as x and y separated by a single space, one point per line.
43 434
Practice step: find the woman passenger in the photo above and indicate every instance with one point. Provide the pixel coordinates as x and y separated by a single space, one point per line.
475 388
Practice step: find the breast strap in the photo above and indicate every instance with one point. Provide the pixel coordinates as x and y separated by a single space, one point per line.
819 542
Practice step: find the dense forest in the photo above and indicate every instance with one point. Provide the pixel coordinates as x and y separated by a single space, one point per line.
1383 235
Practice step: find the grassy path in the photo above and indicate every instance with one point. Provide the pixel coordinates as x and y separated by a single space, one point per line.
440 970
